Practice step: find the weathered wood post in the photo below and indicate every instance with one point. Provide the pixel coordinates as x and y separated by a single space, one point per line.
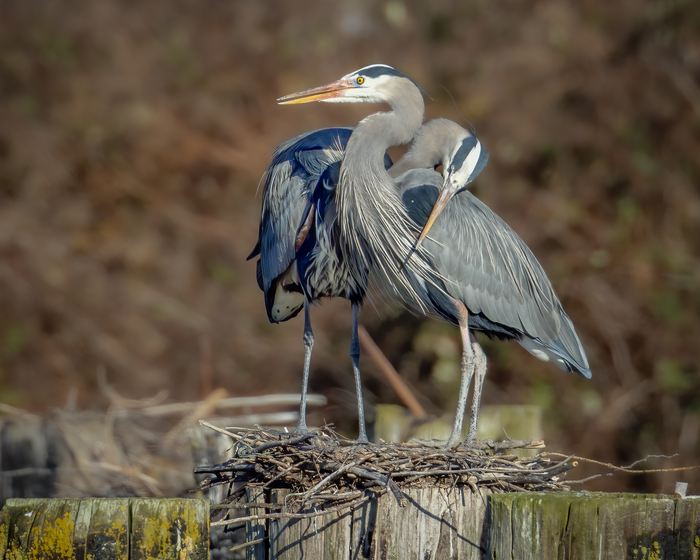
458 523
129 528
316 497
430 523
593 526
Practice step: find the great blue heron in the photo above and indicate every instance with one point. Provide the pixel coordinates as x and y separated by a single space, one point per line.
473 270
289 233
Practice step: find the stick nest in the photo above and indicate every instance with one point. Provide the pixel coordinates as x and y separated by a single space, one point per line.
320 466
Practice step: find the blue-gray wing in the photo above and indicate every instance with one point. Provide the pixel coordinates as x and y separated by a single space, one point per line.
486 265
287 184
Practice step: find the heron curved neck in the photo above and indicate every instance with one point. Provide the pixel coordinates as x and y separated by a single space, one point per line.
416 158
376 234
379 131
431 146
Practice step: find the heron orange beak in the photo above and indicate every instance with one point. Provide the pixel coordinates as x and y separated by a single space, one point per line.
320 93
445 195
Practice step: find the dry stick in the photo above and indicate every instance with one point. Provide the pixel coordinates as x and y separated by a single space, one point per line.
338 497
483 445
325 481
350 467
398 384
247 544
241 520
508 444
246 505
283 473
589 478
624 469
271 444
220 430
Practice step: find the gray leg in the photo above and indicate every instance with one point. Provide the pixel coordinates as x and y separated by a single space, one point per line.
308 346
355 356
467 374
480 367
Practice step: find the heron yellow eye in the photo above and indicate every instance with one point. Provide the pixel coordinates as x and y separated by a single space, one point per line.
360 80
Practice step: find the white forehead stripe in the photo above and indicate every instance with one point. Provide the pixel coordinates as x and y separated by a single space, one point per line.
473 157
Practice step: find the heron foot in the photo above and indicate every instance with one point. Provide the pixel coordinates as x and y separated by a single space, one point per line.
301 428
452 443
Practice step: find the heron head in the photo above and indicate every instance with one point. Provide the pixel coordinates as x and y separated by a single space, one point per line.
461 163
371 84
464 162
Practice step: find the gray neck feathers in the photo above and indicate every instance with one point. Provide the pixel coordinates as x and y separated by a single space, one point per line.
431 147
376 233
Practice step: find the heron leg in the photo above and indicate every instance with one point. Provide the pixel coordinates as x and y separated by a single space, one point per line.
467 374
355 356
308 346
480 367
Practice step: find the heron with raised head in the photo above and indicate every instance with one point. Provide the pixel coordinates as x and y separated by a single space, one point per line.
473 270
289 233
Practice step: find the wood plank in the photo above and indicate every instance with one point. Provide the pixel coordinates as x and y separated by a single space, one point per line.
256 530
106 525
362 528
91 529
687 527
437 522
590 526
169 528
17 520
53 529
324 536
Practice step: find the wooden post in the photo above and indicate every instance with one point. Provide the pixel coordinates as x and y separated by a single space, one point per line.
255 529
593 526
433 523
134 528
458 523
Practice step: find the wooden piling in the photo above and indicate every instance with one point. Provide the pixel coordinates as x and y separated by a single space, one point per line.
594 526
440 523
133 528
430 523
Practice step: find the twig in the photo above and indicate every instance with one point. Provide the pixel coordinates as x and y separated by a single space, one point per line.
294 441
625 469
247 544
246 505
592 477
285 515
650 457
220 430
332 476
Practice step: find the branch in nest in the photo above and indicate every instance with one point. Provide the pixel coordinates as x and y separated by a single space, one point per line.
286 515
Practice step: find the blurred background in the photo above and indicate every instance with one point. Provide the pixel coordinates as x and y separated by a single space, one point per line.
133 136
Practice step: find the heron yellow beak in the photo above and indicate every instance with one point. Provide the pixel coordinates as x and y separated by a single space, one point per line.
320 93
447 193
